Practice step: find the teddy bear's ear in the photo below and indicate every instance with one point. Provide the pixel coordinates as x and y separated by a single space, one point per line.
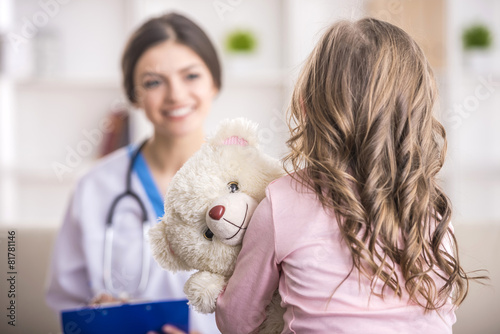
238 131
161 250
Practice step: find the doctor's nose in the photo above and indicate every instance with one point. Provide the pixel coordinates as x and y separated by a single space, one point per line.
217 212
176 91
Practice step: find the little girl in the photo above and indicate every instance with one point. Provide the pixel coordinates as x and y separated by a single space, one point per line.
358 237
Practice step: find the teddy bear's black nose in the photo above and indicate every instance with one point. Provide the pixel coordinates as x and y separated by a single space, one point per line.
217 212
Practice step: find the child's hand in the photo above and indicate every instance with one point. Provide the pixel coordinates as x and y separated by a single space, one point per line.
169 329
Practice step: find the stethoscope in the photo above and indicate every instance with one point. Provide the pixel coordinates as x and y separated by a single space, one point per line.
108 238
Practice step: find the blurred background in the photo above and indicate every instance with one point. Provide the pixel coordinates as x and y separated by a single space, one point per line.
60 81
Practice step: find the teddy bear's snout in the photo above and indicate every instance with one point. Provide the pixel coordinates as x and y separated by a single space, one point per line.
227 217
217 212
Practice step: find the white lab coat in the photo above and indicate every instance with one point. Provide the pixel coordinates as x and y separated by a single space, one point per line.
76 273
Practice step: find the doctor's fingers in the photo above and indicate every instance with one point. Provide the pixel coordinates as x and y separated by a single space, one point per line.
104 298
169 329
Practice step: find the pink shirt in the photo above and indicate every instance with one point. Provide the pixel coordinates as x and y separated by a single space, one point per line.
294 245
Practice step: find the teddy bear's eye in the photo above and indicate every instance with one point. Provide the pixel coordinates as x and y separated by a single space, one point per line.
233 186
208 234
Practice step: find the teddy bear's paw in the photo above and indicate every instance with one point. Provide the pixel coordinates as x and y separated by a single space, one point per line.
202 290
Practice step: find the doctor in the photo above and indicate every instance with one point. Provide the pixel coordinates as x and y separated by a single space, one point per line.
171 71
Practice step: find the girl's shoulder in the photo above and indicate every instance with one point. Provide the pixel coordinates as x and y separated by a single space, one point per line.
289 185
280 183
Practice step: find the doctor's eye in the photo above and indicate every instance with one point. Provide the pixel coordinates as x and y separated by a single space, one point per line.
233 186
151 84
192 76
208 234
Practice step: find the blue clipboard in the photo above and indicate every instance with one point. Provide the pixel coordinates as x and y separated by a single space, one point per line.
127 318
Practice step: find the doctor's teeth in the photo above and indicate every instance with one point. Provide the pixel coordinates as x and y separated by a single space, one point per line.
180 111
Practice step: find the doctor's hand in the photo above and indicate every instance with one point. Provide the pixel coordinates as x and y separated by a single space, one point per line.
169 329
104 298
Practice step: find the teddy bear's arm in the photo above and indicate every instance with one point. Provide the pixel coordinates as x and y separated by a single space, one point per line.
202 290
161 250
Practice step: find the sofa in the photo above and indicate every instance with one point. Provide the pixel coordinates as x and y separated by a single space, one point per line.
479 248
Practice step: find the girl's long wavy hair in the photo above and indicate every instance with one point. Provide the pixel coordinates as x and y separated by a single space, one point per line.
362 127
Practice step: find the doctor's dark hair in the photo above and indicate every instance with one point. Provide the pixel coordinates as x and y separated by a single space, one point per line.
173 27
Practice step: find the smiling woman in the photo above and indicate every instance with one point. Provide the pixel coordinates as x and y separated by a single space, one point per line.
175 88
171 72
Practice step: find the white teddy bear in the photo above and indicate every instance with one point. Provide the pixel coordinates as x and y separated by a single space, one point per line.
208 205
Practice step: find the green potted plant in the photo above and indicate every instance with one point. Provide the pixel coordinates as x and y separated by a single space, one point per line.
241 42
477 40
477 36
240 46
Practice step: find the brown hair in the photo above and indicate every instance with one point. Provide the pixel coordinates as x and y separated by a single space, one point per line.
361 124
173 27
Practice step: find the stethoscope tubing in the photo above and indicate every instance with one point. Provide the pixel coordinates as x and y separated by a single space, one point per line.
109 233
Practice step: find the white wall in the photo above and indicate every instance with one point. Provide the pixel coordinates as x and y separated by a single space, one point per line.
474 137
57 100
65 78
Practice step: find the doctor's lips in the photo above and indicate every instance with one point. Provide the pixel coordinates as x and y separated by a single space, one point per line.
178 112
